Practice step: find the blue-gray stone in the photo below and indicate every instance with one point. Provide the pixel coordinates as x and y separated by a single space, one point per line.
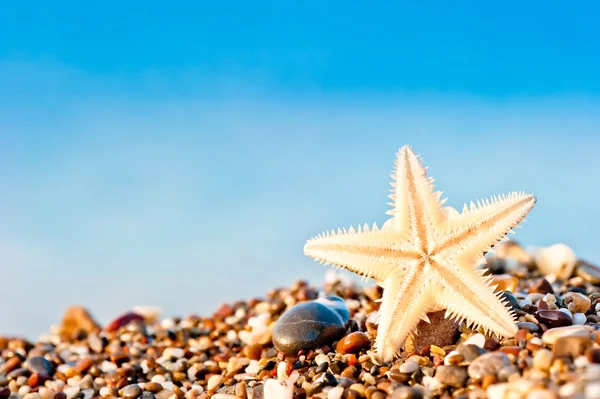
39 365
308 325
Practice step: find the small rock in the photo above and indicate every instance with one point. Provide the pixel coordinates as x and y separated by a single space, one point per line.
454 376
553 318
440 332
558 260
510 300
405 392
131 391
576 302
353 343
542 360
579 318
593 355
488 364
541 286
571 346
39 365
589 272
336 303
550 336
77 319
469 352
122 321
308 325
408 367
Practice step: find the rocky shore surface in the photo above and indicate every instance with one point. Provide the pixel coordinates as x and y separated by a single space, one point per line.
316 342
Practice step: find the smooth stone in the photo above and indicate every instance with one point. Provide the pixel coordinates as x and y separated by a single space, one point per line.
577 302
469 352
39 365
593 355
336 303
454 376
542 359
488 364
510 299
550 336
131 391
77 319
476 339
122 321
589 273
353 343
529 326
405 392
308 325
409 367
440 332
579 318
553 318
541 286
571 346
558 260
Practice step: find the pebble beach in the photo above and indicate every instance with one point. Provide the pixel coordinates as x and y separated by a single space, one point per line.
306 341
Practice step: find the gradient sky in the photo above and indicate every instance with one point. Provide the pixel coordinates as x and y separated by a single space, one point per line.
180 155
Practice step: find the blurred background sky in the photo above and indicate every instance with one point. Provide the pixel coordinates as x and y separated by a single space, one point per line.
180 155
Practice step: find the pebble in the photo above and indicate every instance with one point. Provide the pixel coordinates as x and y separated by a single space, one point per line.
579 318
122 321
589 273
336 303
488 364
577 302
469 352
510 299
131 391
558 260
409 367
542 359
454 376
550 336
571 346
541 286
353 343
308 325
39 365
553 318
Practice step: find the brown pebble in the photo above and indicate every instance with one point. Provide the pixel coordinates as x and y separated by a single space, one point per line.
153 387
572 346
83 365
553 318
511 350
593 355
540 286
253 351
352 343
505 282
521 335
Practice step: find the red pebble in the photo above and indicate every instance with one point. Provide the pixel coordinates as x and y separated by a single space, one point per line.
122 321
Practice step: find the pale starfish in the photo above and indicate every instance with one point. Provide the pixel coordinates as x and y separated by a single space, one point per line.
426 256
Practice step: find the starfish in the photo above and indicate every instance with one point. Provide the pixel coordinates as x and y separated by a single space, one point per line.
426 256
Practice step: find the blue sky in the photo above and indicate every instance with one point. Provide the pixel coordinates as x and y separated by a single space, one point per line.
181 155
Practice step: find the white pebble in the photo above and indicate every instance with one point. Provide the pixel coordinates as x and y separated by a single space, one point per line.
168 385
579 318
581 361
537 341
335 393
277 389
105 392
592 390
253 367
566 311
282 370
409 367
496 391
173 353
322 358
477 339
556 260
158 378
24 390
214 381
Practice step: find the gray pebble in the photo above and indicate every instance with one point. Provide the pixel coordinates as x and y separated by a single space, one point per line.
488 364
454 376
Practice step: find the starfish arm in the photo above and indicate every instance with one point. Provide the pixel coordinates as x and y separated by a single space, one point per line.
405 302
368 252
415 205
478 228
468 296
